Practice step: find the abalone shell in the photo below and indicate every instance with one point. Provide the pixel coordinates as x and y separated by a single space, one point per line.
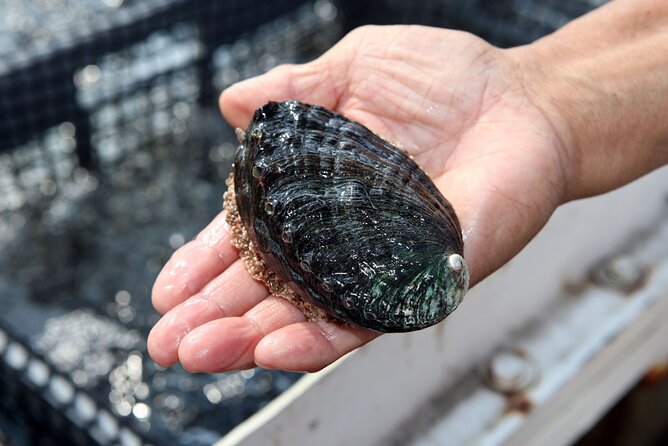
348 221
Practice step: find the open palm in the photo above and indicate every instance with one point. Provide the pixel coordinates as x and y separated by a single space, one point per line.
456 104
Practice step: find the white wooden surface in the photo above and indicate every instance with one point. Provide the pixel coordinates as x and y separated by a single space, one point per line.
605 379
585 350
361 399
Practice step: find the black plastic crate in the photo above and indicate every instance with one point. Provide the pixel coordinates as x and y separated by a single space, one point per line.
504 23
123 159
112 154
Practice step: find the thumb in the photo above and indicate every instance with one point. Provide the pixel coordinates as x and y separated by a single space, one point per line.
312 82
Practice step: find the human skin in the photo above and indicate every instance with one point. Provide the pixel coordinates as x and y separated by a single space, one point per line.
506 135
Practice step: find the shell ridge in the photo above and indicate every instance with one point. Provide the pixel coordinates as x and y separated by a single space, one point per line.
347 220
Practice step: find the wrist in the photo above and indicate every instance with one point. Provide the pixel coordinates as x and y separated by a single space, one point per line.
607 101
550 93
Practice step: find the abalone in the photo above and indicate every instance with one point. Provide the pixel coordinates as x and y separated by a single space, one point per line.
346 221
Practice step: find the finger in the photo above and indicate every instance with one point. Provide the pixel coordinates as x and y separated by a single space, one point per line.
312 82
230 294
229 343
309 346
194 265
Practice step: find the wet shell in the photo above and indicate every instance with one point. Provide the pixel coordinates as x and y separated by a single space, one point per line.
347 221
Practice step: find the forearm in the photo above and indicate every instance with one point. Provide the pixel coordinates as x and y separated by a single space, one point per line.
603 82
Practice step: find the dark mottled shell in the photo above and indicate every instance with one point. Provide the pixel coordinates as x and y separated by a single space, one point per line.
347 220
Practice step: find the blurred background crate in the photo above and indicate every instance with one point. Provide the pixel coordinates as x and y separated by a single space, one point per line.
112 155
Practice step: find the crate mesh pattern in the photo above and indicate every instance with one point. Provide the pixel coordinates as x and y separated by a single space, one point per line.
112 155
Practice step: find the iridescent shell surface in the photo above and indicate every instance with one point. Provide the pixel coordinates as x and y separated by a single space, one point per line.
348 221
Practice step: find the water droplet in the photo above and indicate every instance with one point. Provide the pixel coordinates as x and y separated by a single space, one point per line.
327 285
48 188
269 207
325 9
348 302
286 138
257 134
257 171
67 130
286 236
123 297
305 265
141 410
176 240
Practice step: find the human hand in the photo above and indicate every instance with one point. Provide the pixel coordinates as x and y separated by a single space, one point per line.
456 104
